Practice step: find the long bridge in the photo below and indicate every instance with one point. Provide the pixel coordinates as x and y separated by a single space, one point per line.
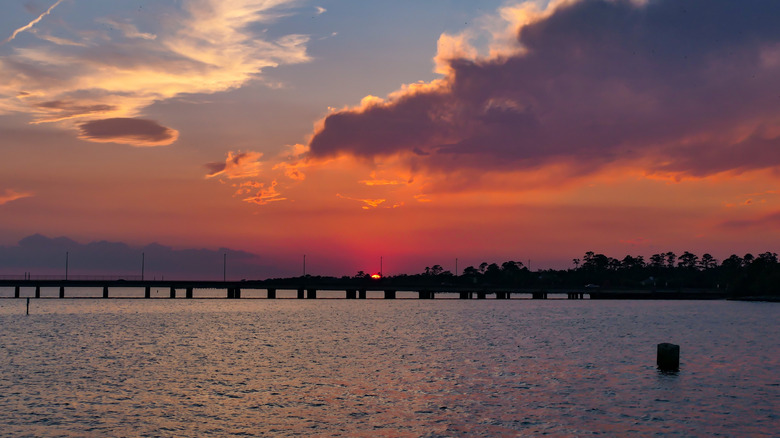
308 289
305 289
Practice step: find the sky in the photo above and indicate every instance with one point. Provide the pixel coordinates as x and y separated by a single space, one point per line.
418 132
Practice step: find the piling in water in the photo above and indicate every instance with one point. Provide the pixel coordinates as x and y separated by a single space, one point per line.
668 357
28 305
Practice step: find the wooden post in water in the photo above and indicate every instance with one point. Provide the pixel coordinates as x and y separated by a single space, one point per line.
28 305
271 293
37 291
62 291
16 292
668 358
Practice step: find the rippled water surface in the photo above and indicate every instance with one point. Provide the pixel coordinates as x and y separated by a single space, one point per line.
188 368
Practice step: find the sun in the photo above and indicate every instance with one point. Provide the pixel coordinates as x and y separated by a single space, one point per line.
376 276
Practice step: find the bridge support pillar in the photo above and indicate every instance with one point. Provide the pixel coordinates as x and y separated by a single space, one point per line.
271 293
311 294
425 295
541 295
237 293
105 291
389 294
173 292
189 292
301 293
147 292
465 295
16 292
362 294
62 291
481 295
37 291
501 295
351 294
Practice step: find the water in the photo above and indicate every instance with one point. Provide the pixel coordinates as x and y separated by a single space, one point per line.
404 368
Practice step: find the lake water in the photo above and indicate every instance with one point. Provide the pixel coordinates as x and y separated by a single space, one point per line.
395 368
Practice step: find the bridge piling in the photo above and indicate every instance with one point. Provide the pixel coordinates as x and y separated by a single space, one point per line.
389 294
37 291
237 293
16 291
105 291
311 294
351 294
147 292
362 294
62 291
271 293
173 292
301 293
465 295
481 295
189 292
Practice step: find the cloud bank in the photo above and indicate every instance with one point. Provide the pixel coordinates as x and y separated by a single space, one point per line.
109 68
44 255
684 87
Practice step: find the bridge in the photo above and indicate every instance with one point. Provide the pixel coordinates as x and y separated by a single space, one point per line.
305 288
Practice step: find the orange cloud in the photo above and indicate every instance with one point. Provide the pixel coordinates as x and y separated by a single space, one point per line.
367 203
12 195
236 165
265 196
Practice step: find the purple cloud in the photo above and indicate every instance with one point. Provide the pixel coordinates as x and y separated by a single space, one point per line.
685 86
136 132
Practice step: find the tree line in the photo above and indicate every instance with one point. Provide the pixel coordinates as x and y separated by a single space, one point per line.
738 276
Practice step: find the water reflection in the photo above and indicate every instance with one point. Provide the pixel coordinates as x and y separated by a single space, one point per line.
384 368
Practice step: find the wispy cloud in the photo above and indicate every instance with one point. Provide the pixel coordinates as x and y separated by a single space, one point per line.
236 165
266 195
29 25
9 195
121 66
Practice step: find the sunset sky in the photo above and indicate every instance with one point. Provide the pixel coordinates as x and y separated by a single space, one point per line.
416 131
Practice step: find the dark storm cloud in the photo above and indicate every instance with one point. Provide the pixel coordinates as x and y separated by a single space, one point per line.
689 86
137 132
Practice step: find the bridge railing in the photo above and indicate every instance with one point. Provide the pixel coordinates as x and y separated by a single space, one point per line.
72 277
